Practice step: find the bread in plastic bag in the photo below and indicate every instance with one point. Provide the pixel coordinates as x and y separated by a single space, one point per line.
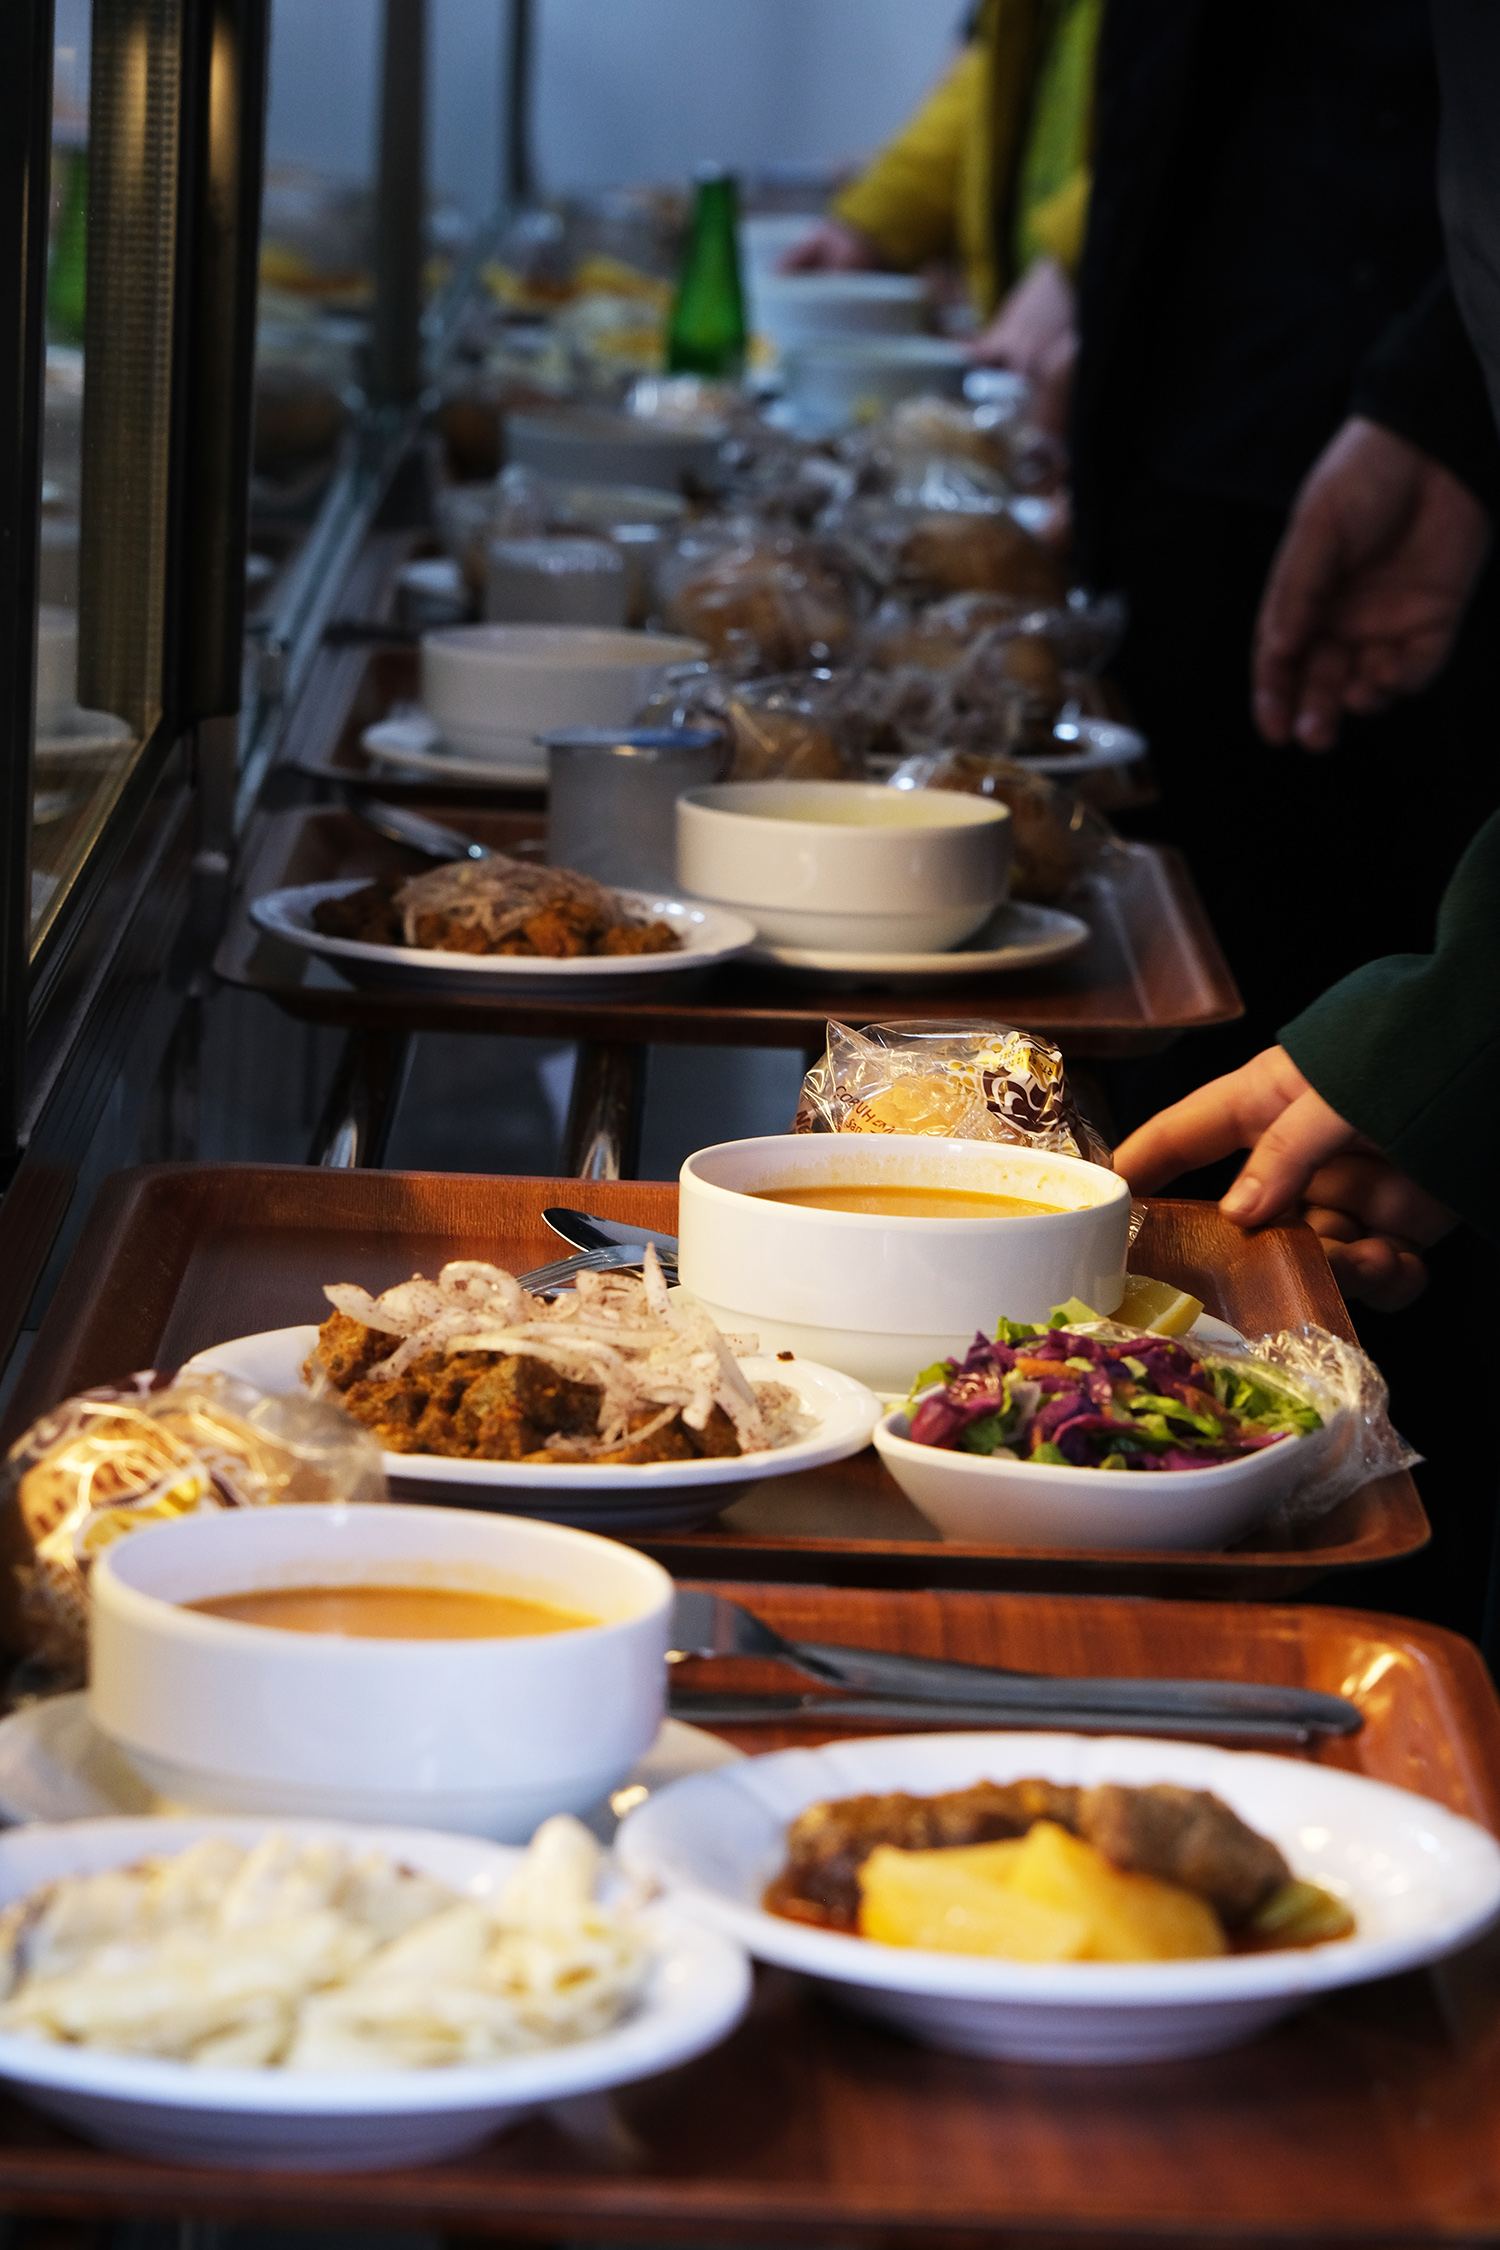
966 1081
1055 837
762 601
109 1461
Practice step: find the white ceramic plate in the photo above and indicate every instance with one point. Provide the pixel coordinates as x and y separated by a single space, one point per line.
56 1765
409 738
366 2120
1015 937
709 934
1421 1882
1106 743
650 1496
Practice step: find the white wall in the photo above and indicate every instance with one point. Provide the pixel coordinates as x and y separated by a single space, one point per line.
624 89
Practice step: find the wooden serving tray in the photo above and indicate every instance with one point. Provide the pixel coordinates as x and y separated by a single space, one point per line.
1152 970
1372 2118
174 1258
357 689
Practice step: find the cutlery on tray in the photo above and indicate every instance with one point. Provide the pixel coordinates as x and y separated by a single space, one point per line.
402 826
703 1708
607 1259
892 1685
587 1232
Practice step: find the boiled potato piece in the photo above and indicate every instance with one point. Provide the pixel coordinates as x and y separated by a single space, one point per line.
959 1902
1128 1917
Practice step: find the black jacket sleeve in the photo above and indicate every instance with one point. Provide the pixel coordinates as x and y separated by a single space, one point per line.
1424 381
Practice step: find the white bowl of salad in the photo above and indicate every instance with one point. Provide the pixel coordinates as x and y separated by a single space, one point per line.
1095 1438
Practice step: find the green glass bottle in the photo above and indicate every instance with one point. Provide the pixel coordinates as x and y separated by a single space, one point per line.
67 273
706 334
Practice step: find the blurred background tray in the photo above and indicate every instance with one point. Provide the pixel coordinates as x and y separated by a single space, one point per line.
174 1258
1373 2118
1152 970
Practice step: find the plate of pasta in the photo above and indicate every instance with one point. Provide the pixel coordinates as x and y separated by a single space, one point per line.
320 1995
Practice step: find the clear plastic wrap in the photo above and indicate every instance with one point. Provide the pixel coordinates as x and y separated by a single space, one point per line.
1055 838
965 1081
763 601
1357 1442
112 1460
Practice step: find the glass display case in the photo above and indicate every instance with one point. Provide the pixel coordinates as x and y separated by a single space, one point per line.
130 159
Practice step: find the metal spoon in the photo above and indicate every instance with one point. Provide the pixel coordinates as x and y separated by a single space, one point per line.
423 835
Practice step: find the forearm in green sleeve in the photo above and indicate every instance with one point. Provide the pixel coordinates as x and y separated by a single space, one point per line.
1408 1048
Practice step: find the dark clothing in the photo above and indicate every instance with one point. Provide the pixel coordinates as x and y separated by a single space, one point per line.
1260 263
1262 260
1408 1048
1264 220
1325 142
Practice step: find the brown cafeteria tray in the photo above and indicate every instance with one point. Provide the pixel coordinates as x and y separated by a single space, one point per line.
1153 968
363 687
1373 2118
174 1258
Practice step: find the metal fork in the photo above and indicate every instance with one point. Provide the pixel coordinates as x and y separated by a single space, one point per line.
706 1624
556 1276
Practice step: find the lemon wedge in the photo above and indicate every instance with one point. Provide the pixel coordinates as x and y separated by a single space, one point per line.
1157 1305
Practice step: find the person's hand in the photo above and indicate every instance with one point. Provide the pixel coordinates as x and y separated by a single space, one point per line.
1304 1158
831 248
1368 588
1034 321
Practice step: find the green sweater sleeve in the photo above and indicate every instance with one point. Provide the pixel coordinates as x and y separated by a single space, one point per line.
1408 1048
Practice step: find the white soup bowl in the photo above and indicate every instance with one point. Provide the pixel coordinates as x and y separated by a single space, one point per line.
490 690
848 866
882 1298
484 1736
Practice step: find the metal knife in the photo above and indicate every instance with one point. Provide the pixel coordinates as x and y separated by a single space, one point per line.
586 1232
709 1625
707 1709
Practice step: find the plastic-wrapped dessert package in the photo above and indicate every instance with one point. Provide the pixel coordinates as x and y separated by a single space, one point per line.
965 1081
1055 837
789 726
112 1460
764 601
932 636
995 435
947 533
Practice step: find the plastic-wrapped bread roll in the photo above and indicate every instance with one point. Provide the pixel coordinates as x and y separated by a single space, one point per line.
109 1461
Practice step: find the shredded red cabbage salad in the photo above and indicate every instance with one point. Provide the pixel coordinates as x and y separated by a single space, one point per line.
1134 1402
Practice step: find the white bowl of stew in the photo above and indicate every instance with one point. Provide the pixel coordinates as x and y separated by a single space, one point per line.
879 1253
412 1664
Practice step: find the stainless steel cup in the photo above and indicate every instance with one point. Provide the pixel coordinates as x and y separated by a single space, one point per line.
612 798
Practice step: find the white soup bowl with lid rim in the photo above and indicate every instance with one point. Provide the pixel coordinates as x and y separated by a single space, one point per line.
490 690
879 1297
850 866
488 1737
